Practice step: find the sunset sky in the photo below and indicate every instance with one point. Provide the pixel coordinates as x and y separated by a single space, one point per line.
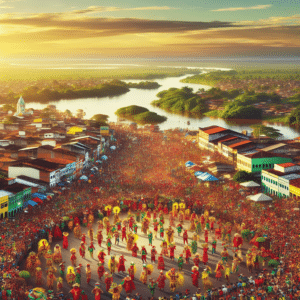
152 28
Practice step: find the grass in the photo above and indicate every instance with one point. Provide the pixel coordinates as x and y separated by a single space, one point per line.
212 113
274 119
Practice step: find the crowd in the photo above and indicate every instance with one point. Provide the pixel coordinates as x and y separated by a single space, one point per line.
151 172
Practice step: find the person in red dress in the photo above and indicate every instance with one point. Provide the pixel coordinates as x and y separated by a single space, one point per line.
57 233
161 280
101 255
76 292
131 270
100 270
99 237
185 237
153 253
121 265
128 285
65 240
187 252
161 263
172 248
97 291
205 255
83 238
124 233
73 256
206 235
195 276
135 250
196 260
219 269
108 281
82 249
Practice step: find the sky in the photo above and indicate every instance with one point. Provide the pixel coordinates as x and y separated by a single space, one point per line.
149 29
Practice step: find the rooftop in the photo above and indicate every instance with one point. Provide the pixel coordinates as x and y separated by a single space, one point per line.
263 154
286 165
295 182
4 193
32 180
273 147
215 130
242 143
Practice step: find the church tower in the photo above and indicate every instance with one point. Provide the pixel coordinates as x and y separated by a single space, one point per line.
20 107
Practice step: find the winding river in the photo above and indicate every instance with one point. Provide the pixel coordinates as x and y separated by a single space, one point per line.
108 106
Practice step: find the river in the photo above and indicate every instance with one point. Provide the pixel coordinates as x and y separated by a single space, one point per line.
108 106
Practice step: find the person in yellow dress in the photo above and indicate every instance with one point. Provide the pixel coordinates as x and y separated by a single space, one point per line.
115 290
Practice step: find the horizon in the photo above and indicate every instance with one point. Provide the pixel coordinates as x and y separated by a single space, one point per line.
164 29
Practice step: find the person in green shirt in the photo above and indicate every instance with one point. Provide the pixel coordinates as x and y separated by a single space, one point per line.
180 262
150 237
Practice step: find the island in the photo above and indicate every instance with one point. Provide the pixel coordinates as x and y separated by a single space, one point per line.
145 85
181 101
140 115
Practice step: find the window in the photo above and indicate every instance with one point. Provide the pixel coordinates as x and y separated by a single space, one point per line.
3 205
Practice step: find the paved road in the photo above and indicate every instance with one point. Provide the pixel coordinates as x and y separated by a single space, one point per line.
143 240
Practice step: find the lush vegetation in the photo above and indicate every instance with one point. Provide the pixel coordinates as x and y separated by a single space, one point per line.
140 115
294 118
146 85
46 94
235 111
212 78
243 176
41 72
268 131
97 120
182 101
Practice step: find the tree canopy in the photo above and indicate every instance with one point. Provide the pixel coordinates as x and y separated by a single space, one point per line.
243 176
180 101
234 111
270 132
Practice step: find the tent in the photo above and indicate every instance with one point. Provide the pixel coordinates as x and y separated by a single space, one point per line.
104 157
37 200
207 177
39 195
189 164
198 173
83 177
259 197
32 203
249 184
98 162
113 147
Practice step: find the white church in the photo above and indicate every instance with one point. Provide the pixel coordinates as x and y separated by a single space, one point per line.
21 108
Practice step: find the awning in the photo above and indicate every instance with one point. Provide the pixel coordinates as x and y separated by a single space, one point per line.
189 164
198 173
32 203
207 177
37 200
260 197
39 195
104 157
83 177
249 184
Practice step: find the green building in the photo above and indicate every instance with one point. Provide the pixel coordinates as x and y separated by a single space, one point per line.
19 193
259 160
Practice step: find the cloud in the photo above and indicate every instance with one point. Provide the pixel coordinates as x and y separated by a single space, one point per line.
99 9
244 8
104 26
275 21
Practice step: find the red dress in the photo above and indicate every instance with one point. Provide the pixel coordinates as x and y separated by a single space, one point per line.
57 233
134 250
205 256
101 256
121 265
128 286
65 242
195 276
108 281
219 271
100 271
76 293
172 250
161 281
161 263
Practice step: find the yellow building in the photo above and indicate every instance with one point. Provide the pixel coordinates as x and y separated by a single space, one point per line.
4 203
295 188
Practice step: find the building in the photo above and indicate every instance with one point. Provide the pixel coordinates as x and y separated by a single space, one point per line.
277 181
225 141
18 194
41 169
258 160
4 203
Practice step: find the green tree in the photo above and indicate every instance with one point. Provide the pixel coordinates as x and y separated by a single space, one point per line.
294 117
242 176
270 132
